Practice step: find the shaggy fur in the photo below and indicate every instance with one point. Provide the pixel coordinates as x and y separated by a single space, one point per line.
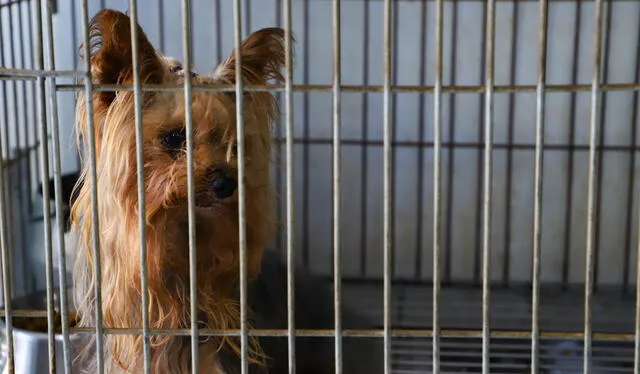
165 188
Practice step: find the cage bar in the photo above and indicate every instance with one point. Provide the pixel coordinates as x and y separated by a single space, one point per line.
309 88
193 281
291 336
606 49
305 134
636 355
44 169
12 73
5 247
448 235
422 120
99 328
513 63
365 135
488 173
572 132
628 245
437 182
137 97
636 350
337 181
57 185
7 289
22 127
593 171
361 333
386 193
242 229
14 94
478 233
538 186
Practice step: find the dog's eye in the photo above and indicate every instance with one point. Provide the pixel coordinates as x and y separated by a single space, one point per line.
174 140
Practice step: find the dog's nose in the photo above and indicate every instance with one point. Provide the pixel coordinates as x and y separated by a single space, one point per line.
223 186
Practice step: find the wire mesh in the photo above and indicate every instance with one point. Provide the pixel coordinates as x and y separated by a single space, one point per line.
346 122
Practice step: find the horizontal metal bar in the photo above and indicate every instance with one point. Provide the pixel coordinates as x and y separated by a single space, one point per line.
396 333
360 88
12 2
33 73
465 145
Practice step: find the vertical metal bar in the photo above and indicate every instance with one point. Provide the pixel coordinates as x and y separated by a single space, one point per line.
188 93
566 258
636 351
74 39
8 143
57 185
488 173
437 184
448 238
537 203
23 145
608 9
593 171
386 194
422 122
291 339
4 86
161 24
218 28
277 159
247 17
513 64
394 119
364 151
306 130
44 168
337 270
237 18
94 188
630 173
137 96
4 243
477 264
31 170
74 36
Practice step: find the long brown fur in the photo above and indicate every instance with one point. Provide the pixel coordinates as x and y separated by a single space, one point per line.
165 176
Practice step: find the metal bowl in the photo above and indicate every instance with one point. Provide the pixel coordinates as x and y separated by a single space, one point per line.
31 354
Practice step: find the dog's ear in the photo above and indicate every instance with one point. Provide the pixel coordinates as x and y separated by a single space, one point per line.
263 56
111 53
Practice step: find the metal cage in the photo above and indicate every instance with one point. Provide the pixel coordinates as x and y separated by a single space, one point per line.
465 169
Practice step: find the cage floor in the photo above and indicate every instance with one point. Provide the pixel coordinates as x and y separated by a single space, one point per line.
461 308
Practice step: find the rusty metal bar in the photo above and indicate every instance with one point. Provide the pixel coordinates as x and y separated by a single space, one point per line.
437 183
593 172
137 96
88 84
538 185
487 199
387 173
188 94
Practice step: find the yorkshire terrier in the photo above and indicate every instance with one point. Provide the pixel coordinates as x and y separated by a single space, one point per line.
166 217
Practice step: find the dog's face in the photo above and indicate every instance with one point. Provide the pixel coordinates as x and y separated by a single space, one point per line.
163 116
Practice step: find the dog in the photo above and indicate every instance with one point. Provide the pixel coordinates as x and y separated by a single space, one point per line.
166 217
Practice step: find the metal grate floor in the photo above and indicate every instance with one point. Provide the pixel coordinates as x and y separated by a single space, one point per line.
560 312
